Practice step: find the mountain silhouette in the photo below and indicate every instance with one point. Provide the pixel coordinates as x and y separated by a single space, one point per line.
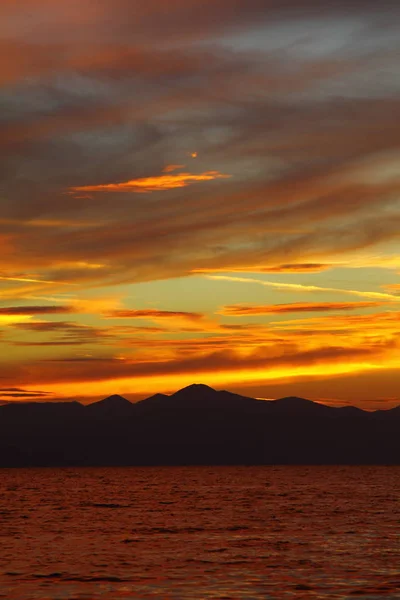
293 405
196 425
199 397
114 405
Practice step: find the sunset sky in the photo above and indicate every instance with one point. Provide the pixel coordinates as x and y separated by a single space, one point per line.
200 191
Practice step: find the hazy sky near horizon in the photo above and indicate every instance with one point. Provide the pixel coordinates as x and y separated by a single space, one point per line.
200 191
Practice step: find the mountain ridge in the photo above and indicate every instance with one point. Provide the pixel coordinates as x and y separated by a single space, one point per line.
196 425
200 392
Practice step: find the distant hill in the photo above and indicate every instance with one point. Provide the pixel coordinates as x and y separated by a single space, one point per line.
195 426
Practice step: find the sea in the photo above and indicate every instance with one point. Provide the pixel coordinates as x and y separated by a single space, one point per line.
200 533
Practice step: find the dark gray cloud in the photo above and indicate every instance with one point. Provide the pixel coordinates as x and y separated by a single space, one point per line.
20 393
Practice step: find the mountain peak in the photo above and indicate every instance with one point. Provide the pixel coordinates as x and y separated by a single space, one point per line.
115 398
196 387
112 405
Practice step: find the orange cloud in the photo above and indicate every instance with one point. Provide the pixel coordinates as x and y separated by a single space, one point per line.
285 351
152 184
393 287
171 168
72 375
288 268
35 310
299 268
154 315
30 280
239 310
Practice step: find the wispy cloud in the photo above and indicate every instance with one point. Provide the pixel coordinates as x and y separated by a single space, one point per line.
172 168
153 184
31 280
20 394
298 287
154 315
36 310
285 268
239 310
62 333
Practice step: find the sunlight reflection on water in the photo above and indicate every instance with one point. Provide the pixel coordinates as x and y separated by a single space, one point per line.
178 533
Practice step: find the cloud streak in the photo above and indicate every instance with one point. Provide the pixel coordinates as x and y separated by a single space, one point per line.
306 288
285 268
239 310
35 310
153 184
21 394
154 315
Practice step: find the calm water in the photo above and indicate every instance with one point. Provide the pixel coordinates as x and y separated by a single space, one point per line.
176 533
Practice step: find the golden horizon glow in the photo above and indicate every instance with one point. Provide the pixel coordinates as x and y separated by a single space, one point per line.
160 383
